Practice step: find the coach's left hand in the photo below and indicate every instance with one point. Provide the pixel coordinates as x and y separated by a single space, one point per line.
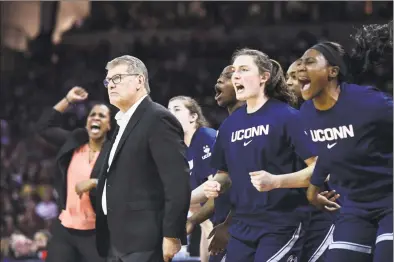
171 246
263 181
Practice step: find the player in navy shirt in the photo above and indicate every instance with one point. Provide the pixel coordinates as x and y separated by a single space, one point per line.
263 135
319 228
199 139
219 208
352 129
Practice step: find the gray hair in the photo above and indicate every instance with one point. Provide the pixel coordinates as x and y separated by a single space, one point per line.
134 66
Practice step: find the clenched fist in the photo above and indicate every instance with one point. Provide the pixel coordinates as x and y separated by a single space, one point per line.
263 181
76 94
212 189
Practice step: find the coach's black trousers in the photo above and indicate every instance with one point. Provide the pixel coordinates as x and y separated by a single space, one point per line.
70 245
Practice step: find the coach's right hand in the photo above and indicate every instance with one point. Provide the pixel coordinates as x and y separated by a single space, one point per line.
76 94
212 189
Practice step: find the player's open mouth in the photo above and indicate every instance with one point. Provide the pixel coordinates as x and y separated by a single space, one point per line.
217 95
239 88
95 128
218 92
305 83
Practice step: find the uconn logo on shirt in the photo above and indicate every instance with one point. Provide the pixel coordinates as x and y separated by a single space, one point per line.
331 134
251 132
207 152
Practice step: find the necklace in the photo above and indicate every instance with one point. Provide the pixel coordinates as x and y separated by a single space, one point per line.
92 154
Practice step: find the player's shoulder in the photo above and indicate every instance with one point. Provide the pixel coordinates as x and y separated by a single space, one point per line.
358 91
364 96
306 106
282 109
239 113
207 132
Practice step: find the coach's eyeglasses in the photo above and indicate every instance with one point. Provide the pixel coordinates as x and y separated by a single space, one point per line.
116 79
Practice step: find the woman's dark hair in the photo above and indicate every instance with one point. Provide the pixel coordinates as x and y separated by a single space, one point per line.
94 103
373 46
194 108
276 86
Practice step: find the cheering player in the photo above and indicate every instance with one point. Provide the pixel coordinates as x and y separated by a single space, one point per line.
319 229
263 135
218 209
199 139
352 129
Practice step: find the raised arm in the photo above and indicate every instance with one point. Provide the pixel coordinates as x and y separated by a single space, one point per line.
48 124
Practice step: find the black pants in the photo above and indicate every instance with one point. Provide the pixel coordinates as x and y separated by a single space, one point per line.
146 256
70 245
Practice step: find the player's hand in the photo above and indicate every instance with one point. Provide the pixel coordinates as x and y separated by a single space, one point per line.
263 181
220 238
76 94
330 195
324 203
85 186
212 189
189 227
171 246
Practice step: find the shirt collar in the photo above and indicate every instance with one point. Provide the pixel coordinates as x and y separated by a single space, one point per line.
123 118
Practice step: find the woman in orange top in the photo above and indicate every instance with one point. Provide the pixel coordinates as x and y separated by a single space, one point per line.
79 161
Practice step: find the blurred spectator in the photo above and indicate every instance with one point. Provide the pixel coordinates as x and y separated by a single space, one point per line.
47 208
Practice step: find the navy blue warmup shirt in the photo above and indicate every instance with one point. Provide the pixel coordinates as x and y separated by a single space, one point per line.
354 142
199 155
270 139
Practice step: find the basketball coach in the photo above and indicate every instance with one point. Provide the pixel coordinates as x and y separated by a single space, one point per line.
144 183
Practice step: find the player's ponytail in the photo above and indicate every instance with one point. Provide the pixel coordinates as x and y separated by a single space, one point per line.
277 86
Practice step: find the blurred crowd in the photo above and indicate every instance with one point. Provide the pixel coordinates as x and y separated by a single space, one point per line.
176 66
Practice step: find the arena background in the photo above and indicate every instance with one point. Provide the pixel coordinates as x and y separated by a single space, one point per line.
49 47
